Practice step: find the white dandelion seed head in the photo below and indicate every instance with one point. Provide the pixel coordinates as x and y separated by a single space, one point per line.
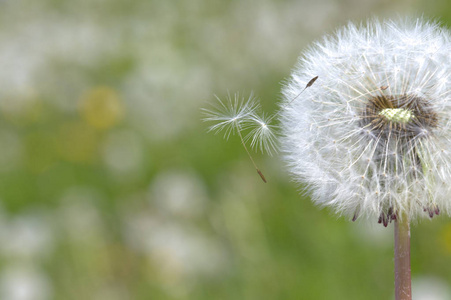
372 136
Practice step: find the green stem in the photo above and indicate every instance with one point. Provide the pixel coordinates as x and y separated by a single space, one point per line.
403 289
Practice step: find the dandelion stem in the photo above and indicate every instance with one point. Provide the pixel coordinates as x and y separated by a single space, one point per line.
402 259
250 156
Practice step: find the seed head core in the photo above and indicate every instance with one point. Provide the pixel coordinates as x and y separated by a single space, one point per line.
404 116
397 115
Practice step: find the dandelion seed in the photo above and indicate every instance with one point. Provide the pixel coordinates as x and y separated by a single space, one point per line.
309 84
232 115
237 115
263 134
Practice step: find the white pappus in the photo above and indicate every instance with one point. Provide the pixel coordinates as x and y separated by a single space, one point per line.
236 115
372 137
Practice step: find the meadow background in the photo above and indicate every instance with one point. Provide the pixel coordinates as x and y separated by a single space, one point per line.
111 187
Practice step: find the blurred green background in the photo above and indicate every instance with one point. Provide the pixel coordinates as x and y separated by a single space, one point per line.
111 188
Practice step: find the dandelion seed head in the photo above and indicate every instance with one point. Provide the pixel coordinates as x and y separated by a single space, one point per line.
371 136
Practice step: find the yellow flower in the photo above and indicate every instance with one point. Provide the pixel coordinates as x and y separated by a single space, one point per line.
101 108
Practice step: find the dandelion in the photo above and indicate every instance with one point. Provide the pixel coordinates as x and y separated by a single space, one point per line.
372 137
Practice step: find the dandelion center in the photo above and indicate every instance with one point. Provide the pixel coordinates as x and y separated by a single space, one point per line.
397 115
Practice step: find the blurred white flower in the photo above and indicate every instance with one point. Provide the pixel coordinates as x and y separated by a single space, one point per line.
178 193
178 250
27 236
20 283
430 288
372 136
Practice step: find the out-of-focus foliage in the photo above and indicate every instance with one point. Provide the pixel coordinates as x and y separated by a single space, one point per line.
111 188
